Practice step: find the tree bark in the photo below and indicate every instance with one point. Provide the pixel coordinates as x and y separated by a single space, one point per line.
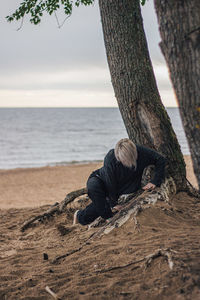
133 80
179 22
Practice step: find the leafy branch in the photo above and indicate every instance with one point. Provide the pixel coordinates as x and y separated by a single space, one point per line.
36 8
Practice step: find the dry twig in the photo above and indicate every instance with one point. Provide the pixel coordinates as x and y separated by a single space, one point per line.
55 296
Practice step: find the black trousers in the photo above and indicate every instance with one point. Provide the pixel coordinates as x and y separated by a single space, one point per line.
99 205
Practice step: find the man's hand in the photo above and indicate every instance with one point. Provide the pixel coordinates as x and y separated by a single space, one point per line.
117 208
149 186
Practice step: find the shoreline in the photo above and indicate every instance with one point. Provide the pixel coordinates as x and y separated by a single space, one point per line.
70 164
34 187
187 158
58 164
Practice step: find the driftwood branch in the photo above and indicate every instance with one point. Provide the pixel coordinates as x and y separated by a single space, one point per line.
56 208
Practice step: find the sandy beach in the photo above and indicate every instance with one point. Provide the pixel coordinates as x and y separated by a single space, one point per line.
40 186
110 267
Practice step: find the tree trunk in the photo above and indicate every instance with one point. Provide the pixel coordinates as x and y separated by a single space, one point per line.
133 80
179 22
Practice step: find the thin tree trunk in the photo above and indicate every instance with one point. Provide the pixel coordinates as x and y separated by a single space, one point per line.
179 22
133 80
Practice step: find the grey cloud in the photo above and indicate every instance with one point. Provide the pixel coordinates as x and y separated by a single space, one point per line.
45 48
78 43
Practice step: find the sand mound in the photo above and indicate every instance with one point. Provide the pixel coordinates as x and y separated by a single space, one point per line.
111 267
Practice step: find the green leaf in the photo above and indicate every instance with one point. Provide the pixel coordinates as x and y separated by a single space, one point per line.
142 2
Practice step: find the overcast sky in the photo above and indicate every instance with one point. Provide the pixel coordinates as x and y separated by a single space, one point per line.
46 66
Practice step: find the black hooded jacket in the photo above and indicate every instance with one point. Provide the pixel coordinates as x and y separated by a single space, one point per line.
119 180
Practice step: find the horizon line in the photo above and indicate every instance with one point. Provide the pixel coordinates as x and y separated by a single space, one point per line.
71 107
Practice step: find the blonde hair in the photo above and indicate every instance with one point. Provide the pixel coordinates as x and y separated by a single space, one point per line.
126 153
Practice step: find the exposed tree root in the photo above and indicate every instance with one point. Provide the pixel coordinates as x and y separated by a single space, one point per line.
157 253
50 212
67 254
144 199
137 204
133 203
191 191
147 260
73 251
137 225
119 267
56 208
123 199
70 197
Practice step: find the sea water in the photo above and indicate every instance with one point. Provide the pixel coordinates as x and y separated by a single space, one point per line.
34 137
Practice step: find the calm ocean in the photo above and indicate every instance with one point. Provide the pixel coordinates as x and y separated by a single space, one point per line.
34 137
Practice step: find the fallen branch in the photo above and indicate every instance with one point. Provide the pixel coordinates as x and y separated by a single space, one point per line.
56 208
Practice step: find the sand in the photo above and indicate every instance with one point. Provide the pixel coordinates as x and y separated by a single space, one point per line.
104 268
39 186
